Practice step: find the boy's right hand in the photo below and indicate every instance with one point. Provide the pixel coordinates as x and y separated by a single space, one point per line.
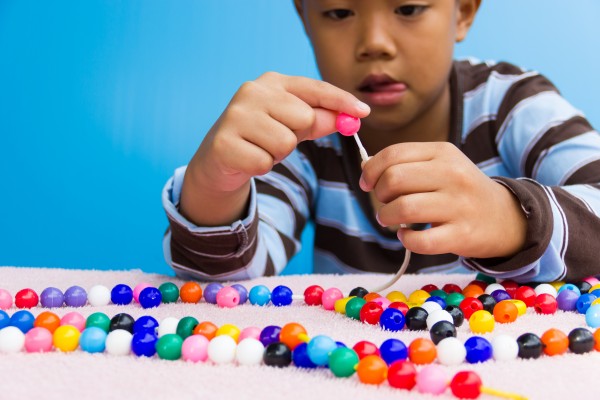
262 125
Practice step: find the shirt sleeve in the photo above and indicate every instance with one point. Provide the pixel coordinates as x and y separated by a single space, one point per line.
554 153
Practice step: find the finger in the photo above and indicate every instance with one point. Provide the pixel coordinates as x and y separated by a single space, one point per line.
245 157
436 240
403 179
415 209
272 136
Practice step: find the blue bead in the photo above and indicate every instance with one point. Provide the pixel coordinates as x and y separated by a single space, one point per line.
570 286
478 349
242 291
300 357
500 295
392 350
143 343
145 323
319 348
281 296
93 340
592 316
595 292
121 294
340 344
259 295
23 320
4 319
392 319
584 302
270 334
210 292
150 297
438 300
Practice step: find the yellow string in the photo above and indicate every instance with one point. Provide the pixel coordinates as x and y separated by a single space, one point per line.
499 393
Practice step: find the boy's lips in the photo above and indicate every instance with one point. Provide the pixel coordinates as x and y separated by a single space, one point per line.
381 90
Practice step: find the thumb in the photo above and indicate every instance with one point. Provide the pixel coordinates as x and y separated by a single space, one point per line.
324 125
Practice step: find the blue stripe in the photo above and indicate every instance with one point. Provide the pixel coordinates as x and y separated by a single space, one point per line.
277 213
586 193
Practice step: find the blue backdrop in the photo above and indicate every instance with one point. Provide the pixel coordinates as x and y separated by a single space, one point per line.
101 100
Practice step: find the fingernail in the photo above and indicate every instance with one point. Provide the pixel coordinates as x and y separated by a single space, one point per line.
363 106
378 221
362 183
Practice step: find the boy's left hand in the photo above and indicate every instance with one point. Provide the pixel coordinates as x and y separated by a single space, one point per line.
470 214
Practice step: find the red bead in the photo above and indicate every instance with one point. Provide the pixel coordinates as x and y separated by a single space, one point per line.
545 304
371 312
511 287
429 288
26 298
526 295
365 348
313 295
403 307
469 305
402 375
479 283
451 288
466 385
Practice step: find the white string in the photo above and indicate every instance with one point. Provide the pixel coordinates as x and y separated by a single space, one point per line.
361 148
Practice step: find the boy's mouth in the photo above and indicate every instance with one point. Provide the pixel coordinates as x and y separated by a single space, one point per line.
381 90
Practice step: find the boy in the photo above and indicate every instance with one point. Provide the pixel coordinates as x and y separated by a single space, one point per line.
496 166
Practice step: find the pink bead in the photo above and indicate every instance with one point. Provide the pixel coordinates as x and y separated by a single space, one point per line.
6 300
382 301
195 348
228 297
250 332
346 124
38 340
432 379
138 289
330 296
592 280
74 319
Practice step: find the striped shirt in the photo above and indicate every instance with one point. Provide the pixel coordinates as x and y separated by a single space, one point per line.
513 124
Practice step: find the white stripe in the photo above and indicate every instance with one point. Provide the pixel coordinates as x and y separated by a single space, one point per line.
273 242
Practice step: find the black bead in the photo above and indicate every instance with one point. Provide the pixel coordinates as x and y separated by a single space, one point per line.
121 321
583 286
359 292
457 315
488 302
277 355
530 345
581 341
442 330
416 319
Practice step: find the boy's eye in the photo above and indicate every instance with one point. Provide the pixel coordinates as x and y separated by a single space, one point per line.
338 14
410 11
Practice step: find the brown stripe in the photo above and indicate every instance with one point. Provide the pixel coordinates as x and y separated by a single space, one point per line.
284 171
479 145
270 267
569 129
473 76
326 162
589 173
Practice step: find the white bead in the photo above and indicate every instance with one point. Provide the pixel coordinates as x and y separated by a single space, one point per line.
546 288
221 349
12 340
168 325
99 296
505 348
249 352
437 316
489 289
451 351
118 342
430 306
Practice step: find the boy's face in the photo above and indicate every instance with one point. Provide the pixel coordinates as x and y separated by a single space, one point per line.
394 55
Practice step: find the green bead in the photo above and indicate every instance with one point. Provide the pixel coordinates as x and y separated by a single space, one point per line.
454 299
342 362
99 320
439 293
485 278
353 307
185 326
168 347
169 292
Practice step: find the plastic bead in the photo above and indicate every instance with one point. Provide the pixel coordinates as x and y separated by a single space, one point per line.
228 330
143 343
346 124
74 319
23 320
505 348
581 341
511 287
505 312
343 361
313 295
185 327
432 379
396 296
100 320
584 302
150 297
195 348
354 306
451 351
393 350
66 338
545 304
47 320
422 351
567 300
138 289
530 345
521 307
472 291
592 316
546 288
75 296
248 352
292 334
208 330
330 296
270 334
392 319
458 318
121 294
402 375
252 332
526 295
492 287
144 323
318 349
99 296
418 297
488 302
26 298
122 321
52 297
168 347
500 295
365 348
259 295
228 297
469 305
597 339
12 340
436 299
370 313
398 305
243 292
466 385
429 288
169 292
569 286
554 342
6 300
439 293
583 286
168 326
300 357
372 370
281 296
277 355
118 342
437 316
451 288
481 322
430 306
478 349
442 330
340 305
191 292
416 319
38 340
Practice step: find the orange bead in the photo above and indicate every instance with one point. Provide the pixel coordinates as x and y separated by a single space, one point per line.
505 312
597 339
372 369
555 342
292 335
371 296
206 329
190 292
422 351
472 291
47 320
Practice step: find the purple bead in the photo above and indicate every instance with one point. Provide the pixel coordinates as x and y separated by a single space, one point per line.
52 297
270 334
567 300
210 293
75 296
500 295
242 291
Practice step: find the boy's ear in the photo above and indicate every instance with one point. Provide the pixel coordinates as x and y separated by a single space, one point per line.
299 9
465 17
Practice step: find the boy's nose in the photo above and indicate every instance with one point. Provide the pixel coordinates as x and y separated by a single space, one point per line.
375 41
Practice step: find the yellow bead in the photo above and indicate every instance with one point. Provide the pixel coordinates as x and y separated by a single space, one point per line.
396 296
557 284
597 301
66 338
418 296
596 286
481 322
521 306
340 304
229 330
410 304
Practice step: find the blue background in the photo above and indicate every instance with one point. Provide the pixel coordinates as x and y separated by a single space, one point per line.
101 100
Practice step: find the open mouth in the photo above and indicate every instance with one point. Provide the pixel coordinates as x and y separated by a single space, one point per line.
380 83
